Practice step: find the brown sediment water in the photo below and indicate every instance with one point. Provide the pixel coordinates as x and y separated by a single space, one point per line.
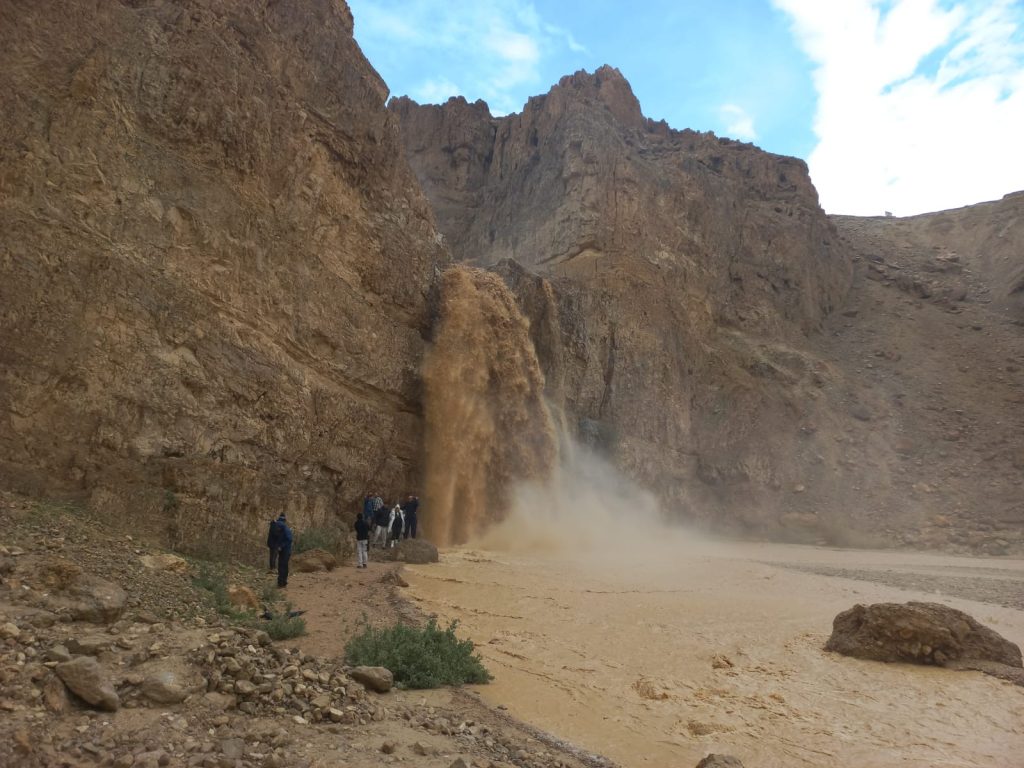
654 648
487 424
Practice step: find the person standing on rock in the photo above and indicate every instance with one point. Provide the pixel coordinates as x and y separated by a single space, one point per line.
274 542
368 506
410 508
285 553
362 540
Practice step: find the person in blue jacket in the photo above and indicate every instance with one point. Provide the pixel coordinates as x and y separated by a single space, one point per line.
274 543
284 552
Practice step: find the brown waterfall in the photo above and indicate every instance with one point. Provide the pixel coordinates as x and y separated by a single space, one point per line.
488 426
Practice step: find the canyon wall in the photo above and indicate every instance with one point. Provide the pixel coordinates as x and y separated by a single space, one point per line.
670 277
215 267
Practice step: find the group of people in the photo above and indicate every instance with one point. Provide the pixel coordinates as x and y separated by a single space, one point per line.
386 525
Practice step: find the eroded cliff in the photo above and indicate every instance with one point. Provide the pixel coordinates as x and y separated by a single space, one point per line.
690 304
214 266
670 278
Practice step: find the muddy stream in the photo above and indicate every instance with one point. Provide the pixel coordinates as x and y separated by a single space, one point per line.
657 652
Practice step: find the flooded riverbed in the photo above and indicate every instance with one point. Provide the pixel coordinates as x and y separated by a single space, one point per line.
657 652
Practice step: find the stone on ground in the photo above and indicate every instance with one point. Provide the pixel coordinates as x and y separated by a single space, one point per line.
313 560
243 597
88 680
170 680
719 761
165 562
919 633
82 595
376 679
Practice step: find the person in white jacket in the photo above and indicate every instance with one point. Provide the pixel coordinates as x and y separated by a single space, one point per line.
396 522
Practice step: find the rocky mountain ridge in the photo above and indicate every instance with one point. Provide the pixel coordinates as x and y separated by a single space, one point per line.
683 291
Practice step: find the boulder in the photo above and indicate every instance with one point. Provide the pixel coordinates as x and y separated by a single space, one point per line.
919 633
719 761
165 562
170 680
313 560
84 596
413 551
243 598
87 679
377 679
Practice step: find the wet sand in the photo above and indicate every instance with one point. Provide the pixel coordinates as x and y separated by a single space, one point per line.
656 653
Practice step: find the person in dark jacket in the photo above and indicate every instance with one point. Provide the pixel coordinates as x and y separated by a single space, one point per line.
274 542
410 508
380 520
368 505
285 553
362 540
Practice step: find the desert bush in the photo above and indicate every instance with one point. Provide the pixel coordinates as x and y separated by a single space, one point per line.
284 627
418 657
328 538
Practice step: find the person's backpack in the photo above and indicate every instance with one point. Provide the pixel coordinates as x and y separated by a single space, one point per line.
274 534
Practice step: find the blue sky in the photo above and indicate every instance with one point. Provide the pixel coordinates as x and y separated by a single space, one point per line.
874 94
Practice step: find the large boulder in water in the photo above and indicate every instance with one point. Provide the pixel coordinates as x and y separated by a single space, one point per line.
918 633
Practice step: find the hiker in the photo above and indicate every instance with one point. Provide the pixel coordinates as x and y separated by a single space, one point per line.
381 523
396 523
410 508
274 542
285 553
368 505
362 540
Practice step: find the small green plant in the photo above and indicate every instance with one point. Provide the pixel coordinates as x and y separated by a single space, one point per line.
426 657
285 627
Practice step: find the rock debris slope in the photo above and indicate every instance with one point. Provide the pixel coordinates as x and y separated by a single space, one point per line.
214 265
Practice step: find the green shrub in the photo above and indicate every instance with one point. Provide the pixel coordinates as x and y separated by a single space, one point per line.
329 539
427 657
284 627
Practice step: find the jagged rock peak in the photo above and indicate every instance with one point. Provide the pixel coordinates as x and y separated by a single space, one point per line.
606 85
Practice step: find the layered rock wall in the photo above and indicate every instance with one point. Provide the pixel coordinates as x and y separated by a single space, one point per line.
669 276
214 266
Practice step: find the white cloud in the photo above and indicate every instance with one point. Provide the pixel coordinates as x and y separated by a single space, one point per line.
738 124
920 106
435 91
493 48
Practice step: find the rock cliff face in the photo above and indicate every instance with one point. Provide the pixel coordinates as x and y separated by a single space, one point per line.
214 265
764 368
670 279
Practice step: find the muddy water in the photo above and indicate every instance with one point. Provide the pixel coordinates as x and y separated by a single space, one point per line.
657 652
487 424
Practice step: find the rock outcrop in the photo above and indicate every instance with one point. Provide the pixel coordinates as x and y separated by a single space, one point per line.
214 266
670 278
919 633
762 367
